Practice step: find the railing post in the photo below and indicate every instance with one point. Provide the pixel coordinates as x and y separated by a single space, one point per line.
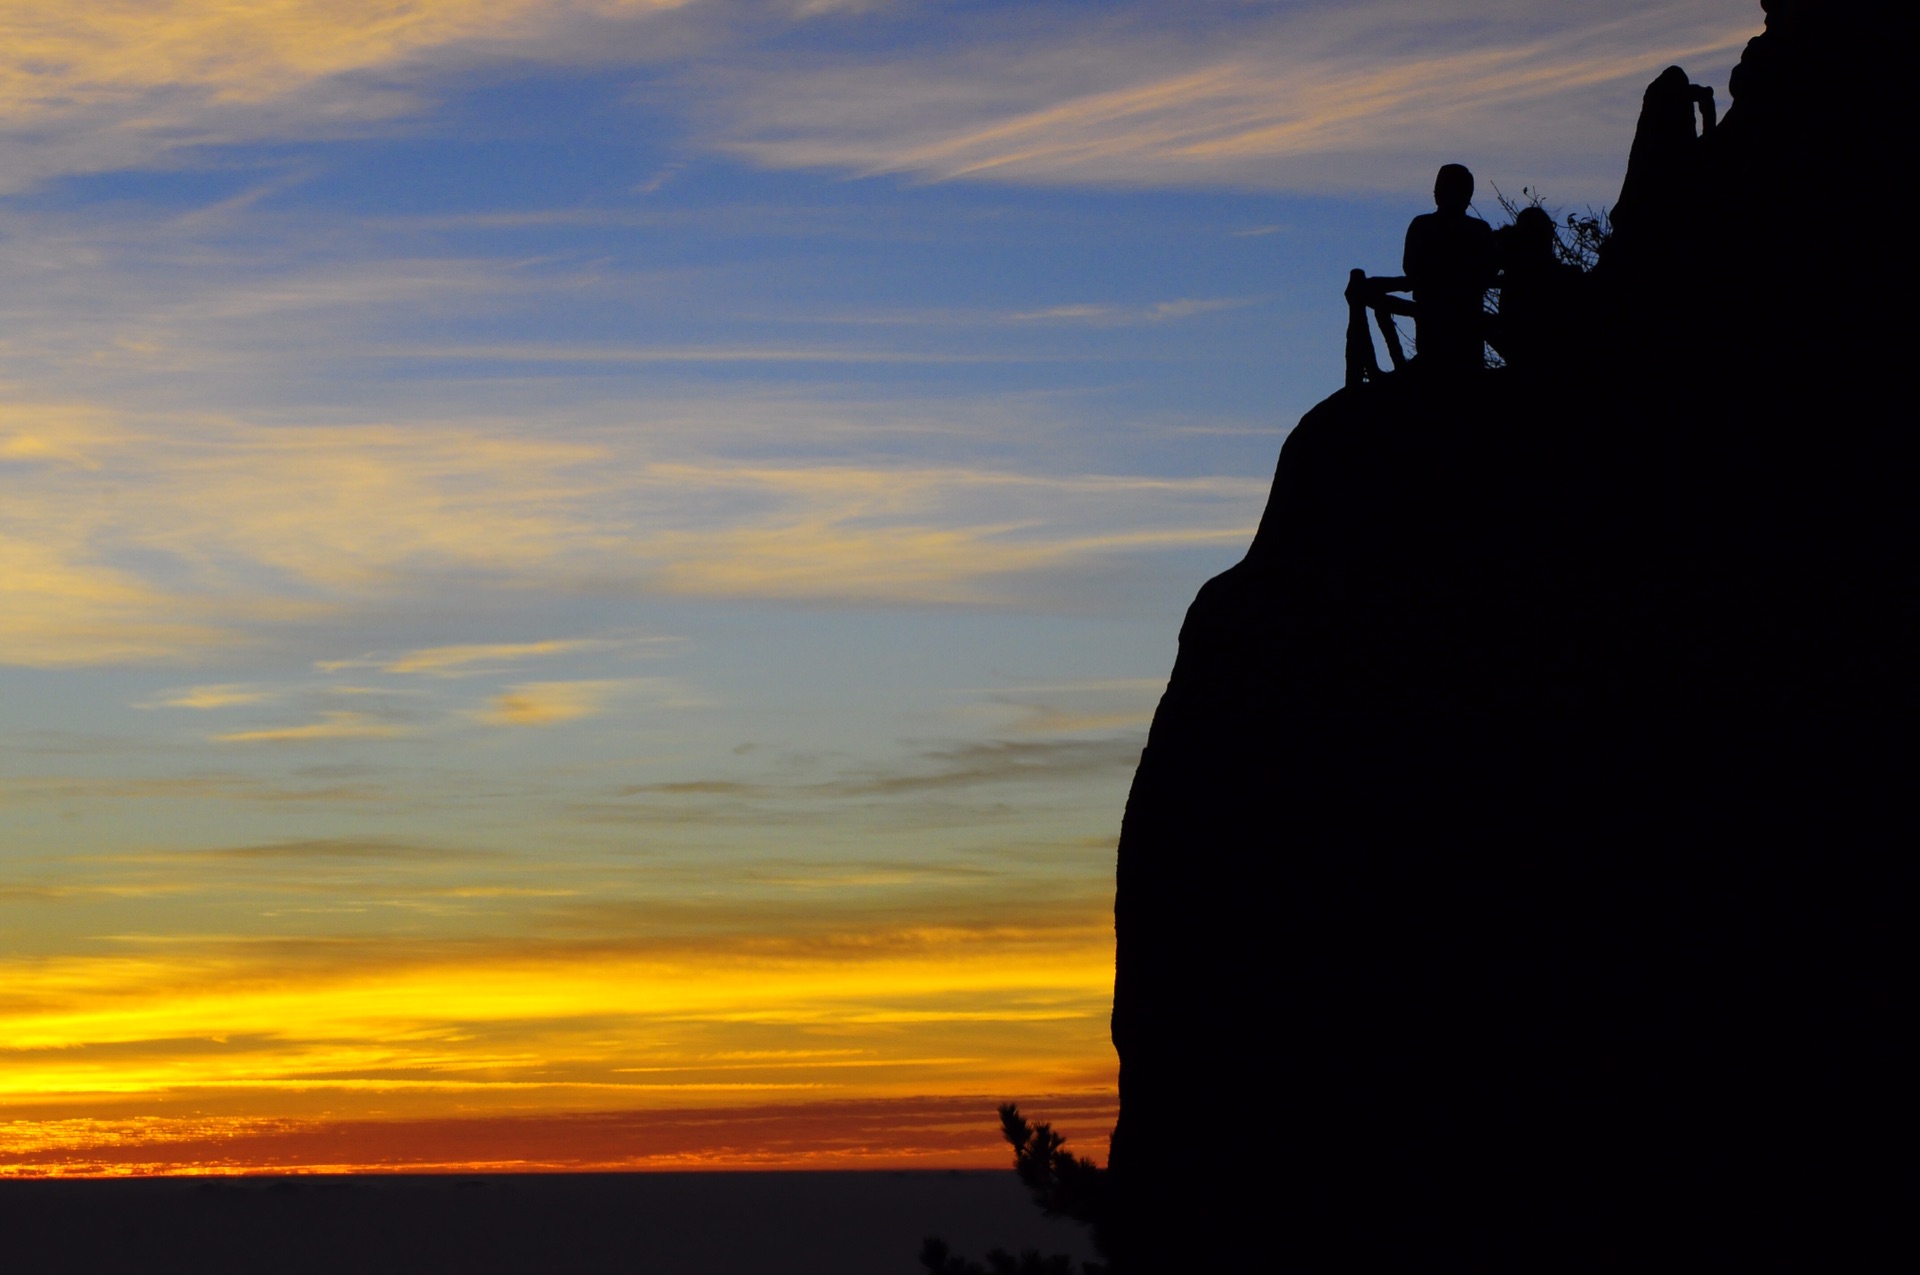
1362 365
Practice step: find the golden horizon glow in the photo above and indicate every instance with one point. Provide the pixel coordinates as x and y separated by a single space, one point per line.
189 1037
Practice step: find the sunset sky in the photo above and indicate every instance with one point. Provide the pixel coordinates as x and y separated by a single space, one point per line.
582 581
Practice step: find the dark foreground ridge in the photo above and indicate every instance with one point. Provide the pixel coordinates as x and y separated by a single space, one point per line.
1522 840
793 1223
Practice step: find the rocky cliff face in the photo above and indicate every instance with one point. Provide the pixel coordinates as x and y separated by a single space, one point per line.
1515 875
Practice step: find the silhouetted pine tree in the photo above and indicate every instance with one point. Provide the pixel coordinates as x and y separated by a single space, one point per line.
1063 1185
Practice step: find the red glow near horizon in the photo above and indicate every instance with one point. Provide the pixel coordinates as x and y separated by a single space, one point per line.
925 1133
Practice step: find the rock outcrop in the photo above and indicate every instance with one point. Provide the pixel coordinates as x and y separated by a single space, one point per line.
1515 877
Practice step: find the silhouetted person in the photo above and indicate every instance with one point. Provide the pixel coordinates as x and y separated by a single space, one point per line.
1658 220
1449 265
1540 295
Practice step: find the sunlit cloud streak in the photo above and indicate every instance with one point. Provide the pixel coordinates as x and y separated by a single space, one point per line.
211 697
466 659
123 84
510 354
1113 315
339 725
551 703
252 529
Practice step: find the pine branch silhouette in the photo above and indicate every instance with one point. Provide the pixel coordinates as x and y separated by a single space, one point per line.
1063 1184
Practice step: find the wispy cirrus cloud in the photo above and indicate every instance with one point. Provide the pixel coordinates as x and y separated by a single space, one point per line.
211 697
654 354
222 532
338 725
359 849
1106 745
551 703
112 85
1108 315
1089 707
466 659
1315 97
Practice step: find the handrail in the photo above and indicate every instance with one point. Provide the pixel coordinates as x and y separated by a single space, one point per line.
1363 364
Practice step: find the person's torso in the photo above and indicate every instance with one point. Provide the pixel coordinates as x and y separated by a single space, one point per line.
1449 259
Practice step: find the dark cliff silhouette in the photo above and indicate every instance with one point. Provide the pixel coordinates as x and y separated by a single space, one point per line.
1517 863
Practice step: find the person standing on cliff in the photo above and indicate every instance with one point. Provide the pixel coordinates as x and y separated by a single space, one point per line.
1543 300
1449 264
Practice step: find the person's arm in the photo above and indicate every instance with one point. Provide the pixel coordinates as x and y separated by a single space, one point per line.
1709 114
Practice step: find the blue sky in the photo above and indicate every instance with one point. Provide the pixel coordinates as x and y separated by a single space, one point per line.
651 479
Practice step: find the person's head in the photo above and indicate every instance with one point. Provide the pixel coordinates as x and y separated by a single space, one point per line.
1533 232
1453 188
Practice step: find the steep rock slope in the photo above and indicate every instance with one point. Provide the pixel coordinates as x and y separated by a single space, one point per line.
1515 875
